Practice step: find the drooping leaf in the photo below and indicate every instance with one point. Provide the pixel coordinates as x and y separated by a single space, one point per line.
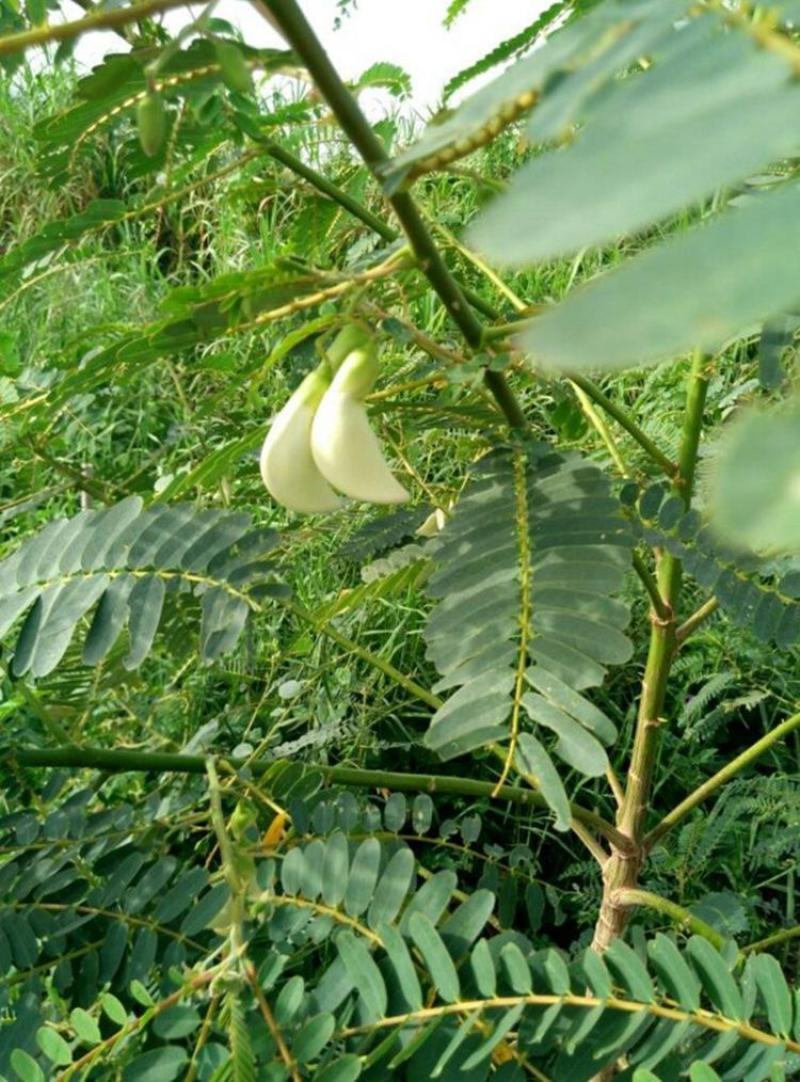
536 536
647 148
695 291
121 562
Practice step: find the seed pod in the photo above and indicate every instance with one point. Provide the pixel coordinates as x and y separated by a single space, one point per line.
345 449
233 67
287 466
151 120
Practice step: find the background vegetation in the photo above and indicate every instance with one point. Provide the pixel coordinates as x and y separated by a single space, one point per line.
119 899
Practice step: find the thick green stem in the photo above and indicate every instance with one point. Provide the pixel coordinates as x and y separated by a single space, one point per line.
106 19
662 635
298 32
121 760
730 770
683 918
622 870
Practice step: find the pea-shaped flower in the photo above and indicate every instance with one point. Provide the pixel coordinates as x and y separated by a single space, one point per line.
287 465
345 449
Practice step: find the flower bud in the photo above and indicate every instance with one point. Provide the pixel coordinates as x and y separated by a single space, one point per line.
345 449
350 338
287 465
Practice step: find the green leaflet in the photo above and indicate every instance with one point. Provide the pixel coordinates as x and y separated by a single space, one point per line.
123 562
363 972
755 483
533 761
389 973
436 957
602 43
695 291
651 145
513 45
754 593
558 512
775 993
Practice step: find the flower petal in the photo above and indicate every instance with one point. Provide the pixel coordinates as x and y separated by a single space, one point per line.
347 452
287 465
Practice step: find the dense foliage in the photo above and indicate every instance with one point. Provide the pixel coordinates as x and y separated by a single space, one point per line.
501 782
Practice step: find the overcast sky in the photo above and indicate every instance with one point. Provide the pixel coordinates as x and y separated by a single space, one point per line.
405 32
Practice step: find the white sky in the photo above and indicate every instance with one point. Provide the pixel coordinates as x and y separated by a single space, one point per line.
404 32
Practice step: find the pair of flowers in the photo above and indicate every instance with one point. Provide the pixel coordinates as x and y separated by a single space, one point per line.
321 441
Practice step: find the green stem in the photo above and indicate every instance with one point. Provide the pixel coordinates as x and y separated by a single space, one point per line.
662 635
325 628
505 330
683 918
650 585
121 760
599 423
333 191
774 940
622 870
730 770
696 619
107 19
298 32
220 829
623 418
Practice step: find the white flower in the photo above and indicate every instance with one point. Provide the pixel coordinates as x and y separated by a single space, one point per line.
345 448
287 465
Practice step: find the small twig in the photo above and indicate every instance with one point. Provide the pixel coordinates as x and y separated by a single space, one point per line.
783 936
106 19
591 843
660 607
676 913
623 418
696 619
353 647
616 785
598 422
730 770
272 1025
